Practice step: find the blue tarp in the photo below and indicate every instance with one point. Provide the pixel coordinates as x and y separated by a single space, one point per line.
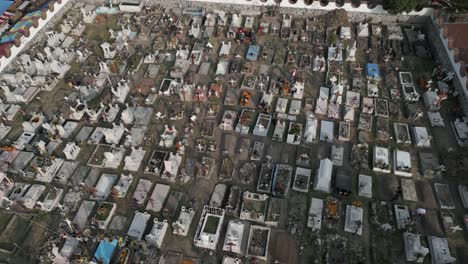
252 53
373 70
4 5
105 251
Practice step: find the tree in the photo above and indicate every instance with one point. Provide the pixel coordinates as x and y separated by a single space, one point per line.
400 6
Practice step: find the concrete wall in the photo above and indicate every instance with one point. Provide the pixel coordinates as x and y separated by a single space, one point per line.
446 57
59 10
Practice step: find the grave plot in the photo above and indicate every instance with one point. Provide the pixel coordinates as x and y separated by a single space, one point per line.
265 104
281 180
360 157
141 192
365 122
382 129
349 114
430 165
381 159
254 207
207 129
212 111
343 182
303 156
231 97
249 82
336 155
381 108
295 107
218 195
402 134
302 180
104 214
106 156
233 201
439 249
421 137
368 105
353 220
263 82
291 58
278 133
280 55
103 187
281 105
188 170
353 99
443 195
67 169
172 204
257 151
265 178
236 66
227 169
402 216
205 168
319 63
365 186
314 219
276 211
409 190
327 131
121 188
332 212
344 131
246 99
243 148
448 221
205 145
246 121
333 111
158 197
268 53
248 172
409 93
402 163
156 162
259 240
306 61
294 135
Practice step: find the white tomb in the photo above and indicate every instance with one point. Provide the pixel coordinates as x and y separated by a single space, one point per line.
324 175
138 225
71 151
381 159
327 131
157 233
353 222
234 237
209 228
123 185
133 161
440 251
158 197
402 216
104 186
402 163
182 225
30 198
414 251
421 137
365 186
310 132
